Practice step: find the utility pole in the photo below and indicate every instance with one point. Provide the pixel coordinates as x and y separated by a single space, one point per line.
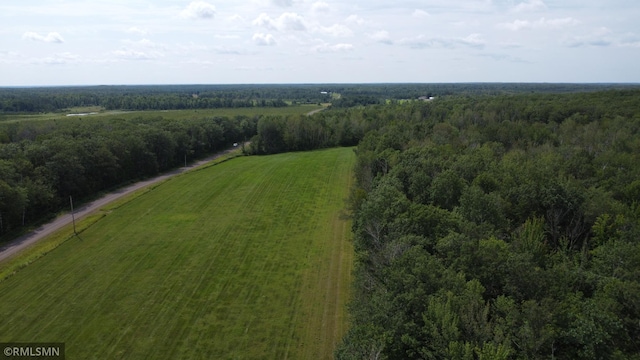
73 218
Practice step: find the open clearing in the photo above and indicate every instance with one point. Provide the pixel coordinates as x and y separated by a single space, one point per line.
173 114
245 259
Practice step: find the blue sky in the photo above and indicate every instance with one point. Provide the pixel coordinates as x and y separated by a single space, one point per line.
70 42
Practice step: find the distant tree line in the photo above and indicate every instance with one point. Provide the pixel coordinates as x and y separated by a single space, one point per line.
177 102
356 100
173 97
31 103
43 163
498 227
343 127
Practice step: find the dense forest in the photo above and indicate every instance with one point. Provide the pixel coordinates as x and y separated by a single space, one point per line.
43 163
55 99
175 97
276 134
503 227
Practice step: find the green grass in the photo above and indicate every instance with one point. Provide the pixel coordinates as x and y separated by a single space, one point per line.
41 248
173 114
245 259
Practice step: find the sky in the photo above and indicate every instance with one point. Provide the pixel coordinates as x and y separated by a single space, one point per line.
100 42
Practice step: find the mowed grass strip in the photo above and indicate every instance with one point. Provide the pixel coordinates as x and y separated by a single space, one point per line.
246 259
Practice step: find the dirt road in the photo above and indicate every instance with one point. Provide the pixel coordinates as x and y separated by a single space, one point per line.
315 111
15 246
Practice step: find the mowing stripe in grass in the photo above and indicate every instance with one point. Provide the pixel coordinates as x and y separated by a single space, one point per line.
247 259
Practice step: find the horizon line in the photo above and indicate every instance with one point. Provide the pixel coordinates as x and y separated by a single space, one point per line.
320 83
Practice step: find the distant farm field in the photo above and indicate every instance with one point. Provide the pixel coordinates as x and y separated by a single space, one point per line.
246 259
94 112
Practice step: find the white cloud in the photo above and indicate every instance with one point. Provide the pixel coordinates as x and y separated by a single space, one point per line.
137 30
320 6
236 18
423 42
382 37
419 42
336 30
144 43
355 19
542 23
8 53
286 21
581 41
327 48
131 54
167 35
599 38
254 68
633 44
516 25
199 10
266 21
529 6
201 62
226 37
602 31
226 50
56 59
191 47
418 13
630 40
264 39
292 21
52 37
505 57
558 23
6 57
143 49
473 40
283 3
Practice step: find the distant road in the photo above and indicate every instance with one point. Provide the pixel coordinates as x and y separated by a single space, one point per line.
15 246
315 111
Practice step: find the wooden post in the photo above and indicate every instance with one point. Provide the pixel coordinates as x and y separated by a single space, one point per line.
73 218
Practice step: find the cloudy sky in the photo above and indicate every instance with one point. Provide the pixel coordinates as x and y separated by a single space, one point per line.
91 42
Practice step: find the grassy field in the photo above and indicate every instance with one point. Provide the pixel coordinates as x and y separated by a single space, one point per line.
174 114
246 259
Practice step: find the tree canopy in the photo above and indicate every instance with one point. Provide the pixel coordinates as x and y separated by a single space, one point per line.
43 163
499 227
